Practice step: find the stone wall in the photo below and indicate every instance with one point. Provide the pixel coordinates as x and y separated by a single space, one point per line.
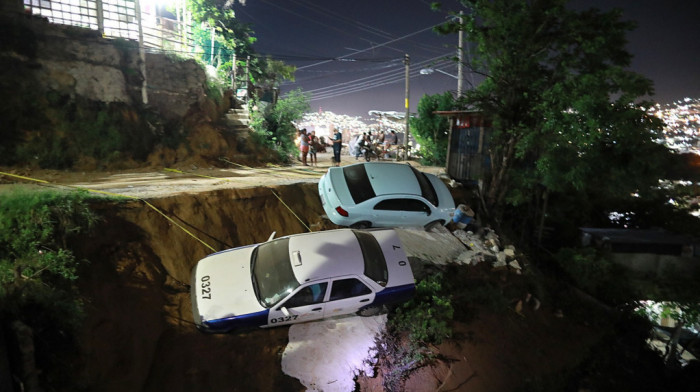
75 61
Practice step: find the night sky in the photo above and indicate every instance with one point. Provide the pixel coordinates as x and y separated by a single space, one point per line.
350 54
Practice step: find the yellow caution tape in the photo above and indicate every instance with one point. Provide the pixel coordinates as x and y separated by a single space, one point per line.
290 210
301 171
226 179
115 195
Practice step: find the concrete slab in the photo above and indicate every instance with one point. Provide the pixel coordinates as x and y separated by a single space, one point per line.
439 246
327 355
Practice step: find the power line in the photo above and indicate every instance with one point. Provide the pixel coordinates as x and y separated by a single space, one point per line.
372 78
369 82
372 47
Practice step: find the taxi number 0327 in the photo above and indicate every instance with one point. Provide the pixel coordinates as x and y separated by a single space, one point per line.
283 319
206 290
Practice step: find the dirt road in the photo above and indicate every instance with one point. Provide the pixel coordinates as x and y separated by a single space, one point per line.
161 182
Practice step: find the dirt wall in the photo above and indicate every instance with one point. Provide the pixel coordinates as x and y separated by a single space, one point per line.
139 334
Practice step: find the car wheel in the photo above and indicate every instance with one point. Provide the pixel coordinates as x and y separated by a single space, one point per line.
434 223
369 311
361 225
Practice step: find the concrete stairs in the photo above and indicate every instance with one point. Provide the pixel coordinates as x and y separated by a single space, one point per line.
238 121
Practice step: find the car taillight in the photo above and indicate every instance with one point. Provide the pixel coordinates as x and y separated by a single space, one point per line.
341 211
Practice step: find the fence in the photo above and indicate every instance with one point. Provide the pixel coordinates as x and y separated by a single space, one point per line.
120 19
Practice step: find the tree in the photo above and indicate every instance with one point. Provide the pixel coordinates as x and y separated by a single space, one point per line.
273 125
432 130
233 37
568 119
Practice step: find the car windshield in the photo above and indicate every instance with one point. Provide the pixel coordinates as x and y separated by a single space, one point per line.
426 188
358 183
272 273
375 264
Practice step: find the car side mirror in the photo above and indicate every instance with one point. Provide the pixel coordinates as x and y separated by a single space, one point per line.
272 236
284 311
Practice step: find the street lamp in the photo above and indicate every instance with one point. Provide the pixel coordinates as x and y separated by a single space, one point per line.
428 71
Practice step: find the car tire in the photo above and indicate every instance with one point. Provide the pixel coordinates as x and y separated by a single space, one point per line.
369 311
361 225
434 223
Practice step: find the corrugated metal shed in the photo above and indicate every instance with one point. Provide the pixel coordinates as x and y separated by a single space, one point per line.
468 159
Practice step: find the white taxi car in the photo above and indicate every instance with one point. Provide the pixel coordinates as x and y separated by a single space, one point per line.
299 278
383 194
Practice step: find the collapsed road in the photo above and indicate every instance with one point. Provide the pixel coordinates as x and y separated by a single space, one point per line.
138 333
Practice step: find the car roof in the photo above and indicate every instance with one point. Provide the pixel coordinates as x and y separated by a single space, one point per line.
392 178
325 255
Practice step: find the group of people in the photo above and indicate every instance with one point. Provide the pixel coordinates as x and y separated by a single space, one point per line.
367 143
310 144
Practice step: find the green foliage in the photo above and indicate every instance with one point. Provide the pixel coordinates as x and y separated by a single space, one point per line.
427 318
592 271
38 273
567 123
432 130
215 90
273 125
233 38
34 229
37 270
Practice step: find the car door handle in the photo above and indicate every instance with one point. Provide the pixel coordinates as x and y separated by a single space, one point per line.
316 309
364 300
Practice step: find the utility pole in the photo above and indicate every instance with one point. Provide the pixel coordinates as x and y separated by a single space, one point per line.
406 62
460 57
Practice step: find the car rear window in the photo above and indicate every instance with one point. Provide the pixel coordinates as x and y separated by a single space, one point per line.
358 183
426 188
375 263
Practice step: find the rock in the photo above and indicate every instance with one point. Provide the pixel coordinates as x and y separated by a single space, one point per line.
501 257
469 257
499 264
519 307
509 251
536 304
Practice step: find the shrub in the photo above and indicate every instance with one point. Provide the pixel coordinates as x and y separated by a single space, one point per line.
273 125
593 271
428 316
38 271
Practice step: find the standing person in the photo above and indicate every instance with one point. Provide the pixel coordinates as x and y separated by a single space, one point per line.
313 143
304 146
337 145
394 138
386 142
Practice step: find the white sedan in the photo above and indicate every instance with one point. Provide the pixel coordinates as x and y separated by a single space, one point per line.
382 194
299 278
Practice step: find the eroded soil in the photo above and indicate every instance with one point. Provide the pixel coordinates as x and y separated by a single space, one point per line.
139 334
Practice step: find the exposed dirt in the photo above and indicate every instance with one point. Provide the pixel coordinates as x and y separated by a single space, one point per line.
139 335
